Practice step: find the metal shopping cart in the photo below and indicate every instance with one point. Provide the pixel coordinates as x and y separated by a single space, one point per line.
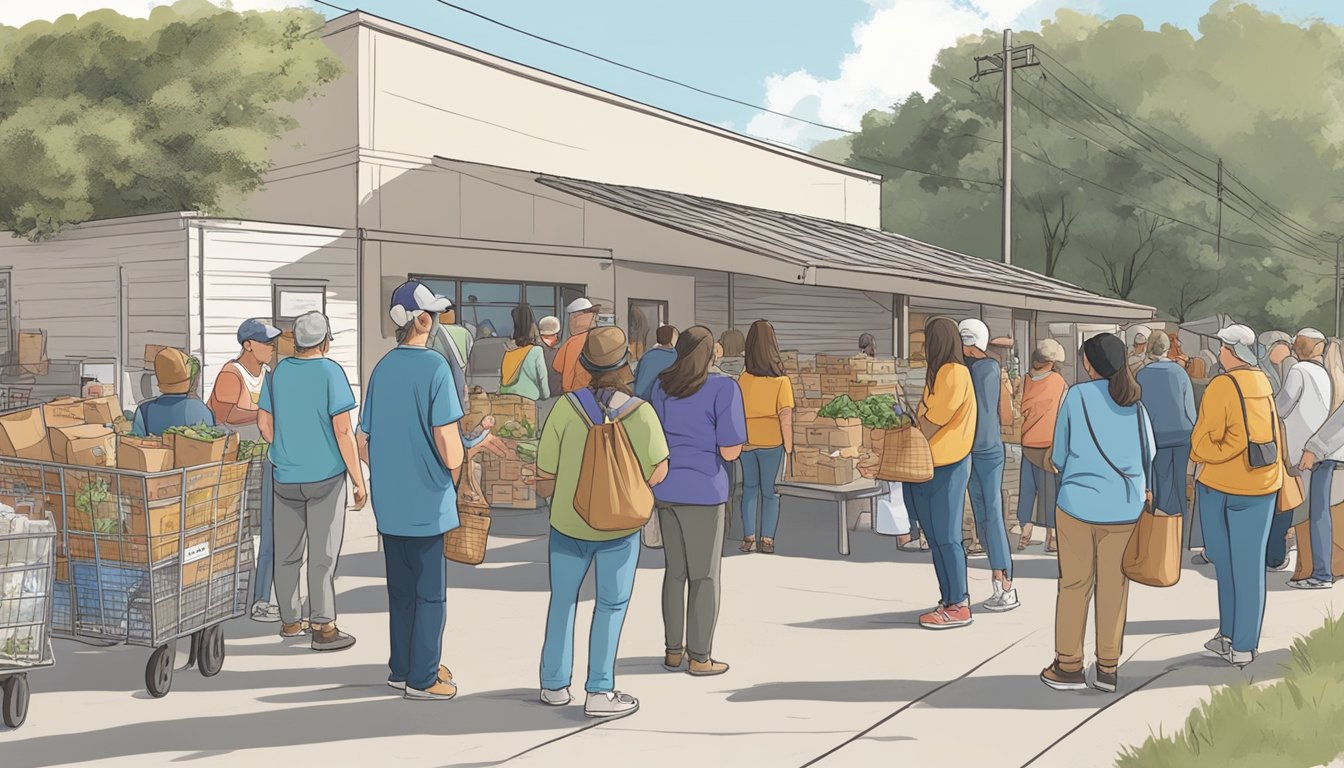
27 550
144 558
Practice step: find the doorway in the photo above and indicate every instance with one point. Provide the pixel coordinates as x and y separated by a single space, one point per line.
645 317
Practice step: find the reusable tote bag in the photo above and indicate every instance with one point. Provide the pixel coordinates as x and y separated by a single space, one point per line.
467 542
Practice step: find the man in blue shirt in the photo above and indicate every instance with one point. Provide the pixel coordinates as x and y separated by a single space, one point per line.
175 407
655 361
413 446
306 403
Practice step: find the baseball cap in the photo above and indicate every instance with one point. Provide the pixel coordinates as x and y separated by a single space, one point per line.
974 333
311 329
256 330
1242 341
1139 332
579 305
413 297
549 326
1311 333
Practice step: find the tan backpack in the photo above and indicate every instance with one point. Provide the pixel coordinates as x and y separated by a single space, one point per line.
612 493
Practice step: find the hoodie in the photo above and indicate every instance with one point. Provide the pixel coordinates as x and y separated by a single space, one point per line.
1219 441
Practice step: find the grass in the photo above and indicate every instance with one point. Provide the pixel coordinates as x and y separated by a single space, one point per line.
1297 722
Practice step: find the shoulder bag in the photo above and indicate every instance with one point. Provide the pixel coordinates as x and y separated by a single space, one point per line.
1291 494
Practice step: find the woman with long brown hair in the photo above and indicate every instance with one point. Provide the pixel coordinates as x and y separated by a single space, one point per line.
947 417
703 419
767 397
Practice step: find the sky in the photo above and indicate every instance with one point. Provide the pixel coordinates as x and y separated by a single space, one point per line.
828 61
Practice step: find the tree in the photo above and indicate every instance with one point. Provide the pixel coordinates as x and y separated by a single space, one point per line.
1121 270
1057 216
104 115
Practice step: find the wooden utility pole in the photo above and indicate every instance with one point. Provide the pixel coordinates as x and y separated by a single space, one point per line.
1008 60
1218 247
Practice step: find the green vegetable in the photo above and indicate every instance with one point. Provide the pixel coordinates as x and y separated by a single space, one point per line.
195 366
527 452
842 407
200 432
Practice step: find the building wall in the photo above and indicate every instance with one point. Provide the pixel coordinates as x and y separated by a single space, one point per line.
711 301
811 318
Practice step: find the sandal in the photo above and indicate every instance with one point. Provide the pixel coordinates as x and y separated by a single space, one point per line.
1052 546
1025 540
767 546
748 544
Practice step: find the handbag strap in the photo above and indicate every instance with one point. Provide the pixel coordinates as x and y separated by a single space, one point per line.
1093 433
1246 424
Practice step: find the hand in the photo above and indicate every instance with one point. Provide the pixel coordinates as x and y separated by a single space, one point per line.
1308 461
494 446
488 423
361 497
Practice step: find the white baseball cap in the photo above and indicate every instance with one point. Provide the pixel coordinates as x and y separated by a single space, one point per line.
579 305
413 297
1242 341
1311 333
974 333
311 329
1140 332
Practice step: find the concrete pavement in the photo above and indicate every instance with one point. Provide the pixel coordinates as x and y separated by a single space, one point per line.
829 668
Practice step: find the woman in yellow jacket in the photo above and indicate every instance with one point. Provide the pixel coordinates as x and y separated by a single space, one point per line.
1239 447
947 418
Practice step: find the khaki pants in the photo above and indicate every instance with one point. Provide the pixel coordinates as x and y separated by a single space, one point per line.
1089 563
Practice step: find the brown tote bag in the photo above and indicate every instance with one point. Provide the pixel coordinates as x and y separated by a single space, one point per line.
906 456
466 543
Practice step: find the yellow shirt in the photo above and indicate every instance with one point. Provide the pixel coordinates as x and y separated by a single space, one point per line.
763 397
1219 441
951 408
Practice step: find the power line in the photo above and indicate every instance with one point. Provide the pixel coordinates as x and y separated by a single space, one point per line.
334 7
880 161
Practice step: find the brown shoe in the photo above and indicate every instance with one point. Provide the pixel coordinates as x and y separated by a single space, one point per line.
707 668
672 660
440 691
326 637
767 546
445 676
294 630
1060 680
748 544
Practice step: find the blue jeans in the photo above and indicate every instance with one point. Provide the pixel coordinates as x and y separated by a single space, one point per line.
1276 548
1169 472
1039 492
570 560
1322 528
986 487
938 504
1235 530
261 585
417 596
760 470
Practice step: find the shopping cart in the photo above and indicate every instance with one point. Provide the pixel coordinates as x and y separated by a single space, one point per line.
27 549
144 559
12 397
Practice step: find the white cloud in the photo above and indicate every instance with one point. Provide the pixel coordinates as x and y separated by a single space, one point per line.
894 50
16 13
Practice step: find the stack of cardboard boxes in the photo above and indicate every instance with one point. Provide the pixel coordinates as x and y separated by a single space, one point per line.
825 451
503 478
33 352
802 373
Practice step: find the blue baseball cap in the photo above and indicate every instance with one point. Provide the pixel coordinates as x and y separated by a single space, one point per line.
413 297
255 330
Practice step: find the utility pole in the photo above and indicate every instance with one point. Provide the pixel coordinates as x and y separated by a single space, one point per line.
1010 59
1218 248
1339 274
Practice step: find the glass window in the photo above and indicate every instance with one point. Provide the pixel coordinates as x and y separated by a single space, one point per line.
485 321
446 288
491 293
542 297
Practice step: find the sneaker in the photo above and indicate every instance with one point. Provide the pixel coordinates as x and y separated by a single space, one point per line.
1310 583
672 660
1060 680
1199 559
706 668
1106 681
1219 646
914 545
946 617
1277 568
265 612
557 698
445 676
329 638
976 550
1241 659
440 691
294 630
609 705
1002 601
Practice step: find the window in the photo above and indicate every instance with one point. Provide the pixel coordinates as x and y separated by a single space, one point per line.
485 307
644 318
6 315
289 300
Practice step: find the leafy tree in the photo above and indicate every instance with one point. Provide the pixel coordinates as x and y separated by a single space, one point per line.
1117 140
104 115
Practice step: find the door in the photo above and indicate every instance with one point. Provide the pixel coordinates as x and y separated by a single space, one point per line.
644 319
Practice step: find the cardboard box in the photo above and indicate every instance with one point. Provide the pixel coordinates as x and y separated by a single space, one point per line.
70 409
102 410
85 445
193 453
23 435
832 361
284 346
144 455
32 348
152 351
837 470
810 382
804 415
834 384
882 366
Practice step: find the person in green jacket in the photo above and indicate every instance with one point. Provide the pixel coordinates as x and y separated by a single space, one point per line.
523 370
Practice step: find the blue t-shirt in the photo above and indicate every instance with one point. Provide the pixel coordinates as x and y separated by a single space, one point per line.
411 392
1090 488
696 428
303 395
986 377
654 362
167 411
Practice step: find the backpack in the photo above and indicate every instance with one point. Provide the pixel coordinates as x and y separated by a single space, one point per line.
612 493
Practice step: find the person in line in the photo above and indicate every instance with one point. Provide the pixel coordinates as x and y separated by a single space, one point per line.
767 396
306 404
1325 454
718 358
410 439
992 404
1237 443
947 416
1042 395
703 417
523 370
582 316
734 360
462 336
176 406
1174 350
868 345
574 546
1303 403
655 361
1138 347
233 401
1276 357
1169 398
1104 448
549 330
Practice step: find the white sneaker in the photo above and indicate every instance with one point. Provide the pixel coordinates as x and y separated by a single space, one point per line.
1199 559
558 698
1240 659
1002 601
265 612
1219 646
611 704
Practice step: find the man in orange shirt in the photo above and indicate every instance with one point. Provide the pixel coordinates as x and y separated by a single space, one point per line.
582 319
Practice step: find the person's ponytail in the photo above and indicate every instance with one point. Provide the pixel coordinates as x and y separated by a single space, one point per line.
1124 388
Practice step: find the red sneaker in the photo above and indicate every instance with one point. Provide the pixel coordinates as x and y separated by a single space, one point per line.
946 617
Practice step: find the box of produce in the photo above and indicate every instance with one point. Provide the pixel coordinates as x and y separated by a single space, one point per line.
253 449
102 410
23 435
69 408
201 444
85 445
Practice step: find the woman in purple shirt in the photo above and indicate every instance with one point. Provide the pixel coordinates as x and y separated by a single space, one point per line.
706 426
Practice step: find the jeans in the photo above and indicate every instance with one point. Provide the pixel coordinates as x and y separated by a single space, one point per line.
309 520
417 589
265 576
570 559
760 470
1276 547
1235 530
937 504
1169 471
693 549
1321 525
1037 497
986 486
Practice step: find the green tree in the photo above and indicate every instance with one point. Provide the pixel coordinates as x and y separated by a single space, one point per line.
1117 140
104 115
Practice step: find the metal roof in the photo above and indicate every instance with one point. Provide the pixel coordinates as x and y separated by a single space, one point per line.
822 244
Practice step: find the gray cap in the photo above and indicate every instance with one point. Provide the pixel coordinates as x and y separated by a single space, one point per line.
311 329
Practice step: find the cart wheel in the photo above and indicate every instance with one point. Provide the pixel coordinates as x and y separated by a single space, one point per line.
159 671
210 654
16 700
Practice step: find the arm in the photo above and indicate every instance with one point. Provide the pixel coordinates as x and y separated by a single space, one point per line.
942 400
548 452
539 373
1291 394
229 397
730 423
1188 394
138 425
362 440
659 473
1329 439
344 428
1005 400
786 428
1059 449
267 426
1219 435
448 441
